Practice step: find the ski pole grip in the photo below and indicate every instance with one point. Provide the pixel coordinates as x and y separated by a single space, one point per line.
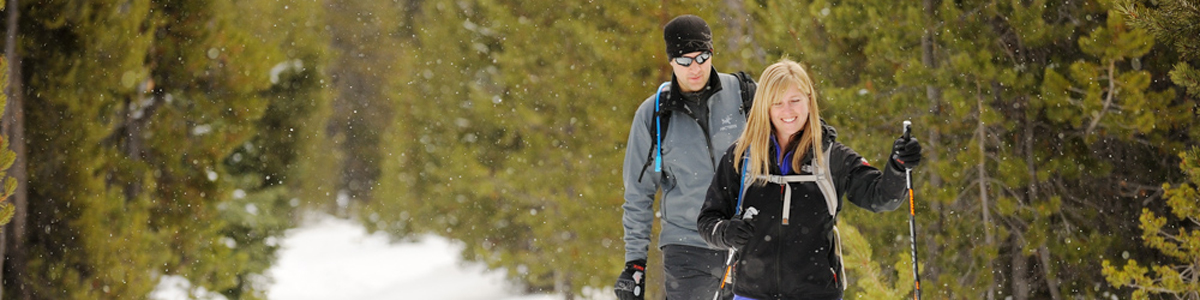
907 129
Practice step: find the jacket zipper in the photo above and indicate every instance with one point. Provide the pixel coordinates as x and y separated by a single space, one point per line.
707 135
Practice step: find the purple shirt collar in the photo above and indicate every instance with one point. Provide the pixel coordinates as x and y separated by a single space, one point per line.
783 159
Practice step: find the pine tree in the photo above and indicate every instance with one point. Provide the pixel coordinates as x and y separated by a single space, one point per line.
363 57
14 258
1173 22
7 157
151 102
1175 238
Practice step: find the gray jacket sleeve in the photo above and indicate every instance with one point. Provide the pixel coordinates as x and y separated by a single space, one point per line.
639 195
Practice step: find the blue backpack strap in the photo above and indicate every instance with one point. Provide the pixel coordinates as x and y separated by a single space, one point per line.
742 185
658 127
654 156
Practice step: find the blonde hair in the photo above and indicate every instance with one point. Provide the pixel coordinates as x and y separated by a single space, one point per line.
775 80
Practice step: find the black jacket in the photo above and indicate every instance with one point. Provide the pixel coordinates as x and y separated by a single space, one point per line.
795 261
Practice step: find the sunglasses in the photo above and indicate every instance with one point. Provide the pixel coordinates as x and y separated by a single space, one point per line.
687 61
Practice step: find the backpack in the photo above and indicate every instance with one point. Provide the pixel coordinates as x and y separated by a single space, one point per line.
662 118
824 179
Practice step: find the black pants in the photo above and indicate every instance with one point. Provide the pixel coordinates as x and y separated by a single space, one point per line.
694 273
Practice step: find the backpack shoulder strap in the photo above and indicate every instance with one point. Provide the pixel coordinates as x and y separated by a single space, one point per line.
660 126
748 87
822 176
657 128
830 191
742 186
825 183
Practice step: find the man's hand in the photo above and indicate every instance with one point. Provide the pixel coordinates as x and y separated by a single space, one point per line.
631 285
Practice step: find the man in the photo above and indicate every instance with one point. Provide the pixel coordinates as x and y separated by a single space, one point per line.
675 142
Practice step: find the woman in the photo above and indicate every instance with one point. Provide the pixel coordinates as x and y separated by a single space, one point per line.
778 166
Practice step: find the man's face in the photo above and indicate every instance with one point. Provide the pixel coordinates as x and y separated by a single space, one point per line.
694 76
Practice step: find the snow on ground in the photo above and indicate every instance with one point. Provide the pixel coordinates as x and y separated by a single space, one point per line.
330 258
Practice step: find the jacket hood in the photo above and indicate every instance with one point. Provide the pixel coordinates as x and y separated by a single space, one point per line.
829 134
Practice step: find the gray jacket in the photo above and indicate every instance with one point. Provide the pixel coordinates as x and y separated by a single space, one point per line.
690 159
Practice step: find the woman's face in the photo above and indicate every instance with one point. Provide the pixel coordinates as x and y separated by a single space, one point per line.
790 114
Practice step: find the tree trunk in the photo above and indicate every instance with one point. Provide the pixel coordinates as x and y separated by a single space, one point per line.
360 114
1032 190
739 36
3 245
932 91
1030 166
1051 279
934 95
1019 267
14 127
562 284
981 167
664 16
735 21
137 117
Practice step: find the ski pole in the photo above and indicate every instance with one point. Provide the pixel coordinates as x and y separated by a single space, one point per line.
749 215
912 219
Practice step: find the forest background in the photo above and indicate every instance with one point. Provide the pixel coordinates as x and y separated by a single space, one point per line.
155 138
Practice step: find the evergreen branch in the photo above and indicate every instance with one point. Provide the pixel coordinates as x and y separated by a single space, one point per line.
1067 226
1074 102
1070 198
884 95
1015 224
963 192
1153 197
1187 5
1135 190
1004 188
1184 75
7 210
1154 289
1185 270
1188 50
963 18
1141 140
1112 91
1172 237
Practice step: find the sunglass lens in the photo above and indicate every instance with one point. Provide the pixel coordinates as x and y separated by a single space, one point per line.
683 61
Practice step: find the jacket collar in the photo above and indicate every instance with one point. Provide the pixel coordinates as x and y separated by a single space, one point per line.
675 99
828 136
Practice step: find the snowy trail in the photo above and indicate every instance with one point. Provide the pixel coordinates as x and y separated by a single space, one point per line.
330 258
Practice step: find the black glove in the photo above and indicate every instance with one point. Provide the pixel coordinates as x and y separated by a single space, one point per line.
631 285
906 153
736 233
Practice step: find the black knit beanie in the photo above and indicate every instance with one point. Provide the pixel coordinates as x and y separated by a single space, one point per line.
686 34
